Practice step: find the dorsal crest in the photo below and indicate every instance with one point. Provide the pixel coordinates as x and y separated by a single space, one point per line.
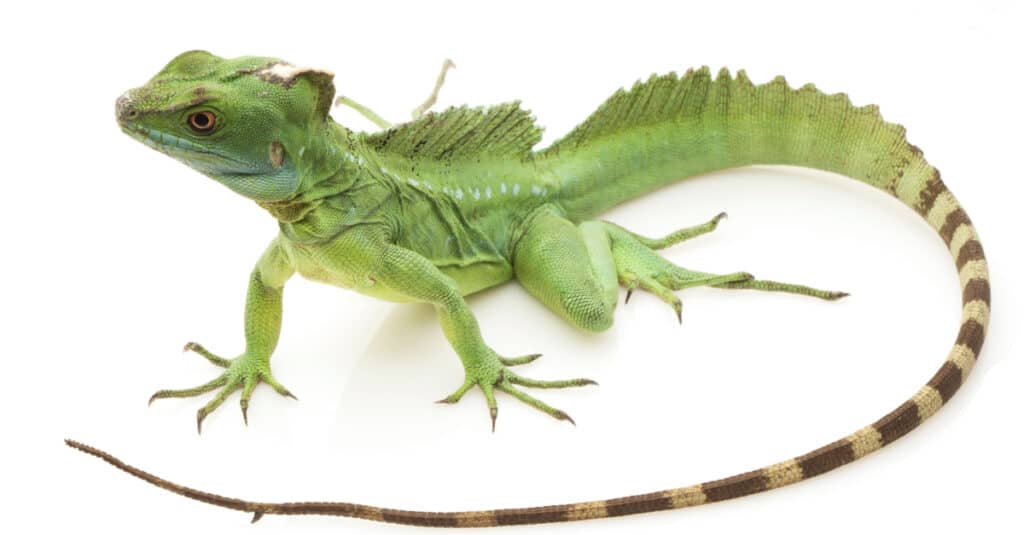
505 131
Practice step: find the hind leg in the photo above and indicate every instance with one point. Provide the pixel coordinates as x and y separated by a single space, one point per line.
569 268
638 266
575 269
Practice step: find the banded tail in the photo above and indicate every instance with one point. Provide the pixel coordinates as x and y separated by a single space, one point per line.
668 128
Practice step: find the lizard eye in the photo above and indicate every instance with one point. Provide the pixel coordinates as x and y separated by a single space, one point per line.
202 122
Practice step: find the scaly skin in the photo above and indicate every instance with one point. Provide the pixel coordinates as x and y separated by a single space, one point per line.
455 202
426 215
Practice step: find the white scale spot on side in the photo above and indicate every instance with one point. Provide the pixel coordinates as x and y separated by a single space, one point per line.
388 172
413 182
476 193
445 189
488 192
503 189
535 190
515 189
458 193
302 150
428 186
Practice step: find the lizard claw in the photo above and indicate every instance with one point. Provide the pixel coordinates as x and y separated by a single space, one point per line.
242 373
499 377
516 361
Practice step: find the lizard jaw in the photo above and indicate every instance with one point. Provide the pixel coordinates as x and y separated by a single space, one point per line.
187 151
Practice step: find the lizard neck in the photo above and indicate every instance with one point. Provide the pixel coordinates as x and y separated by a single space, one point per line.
324 167
340 186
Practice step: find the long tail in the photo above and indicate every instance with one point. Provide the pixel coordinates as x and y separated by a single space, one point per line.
669 128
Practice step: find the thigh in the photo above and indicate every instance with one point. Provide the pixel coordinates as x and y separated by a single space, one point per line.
569 268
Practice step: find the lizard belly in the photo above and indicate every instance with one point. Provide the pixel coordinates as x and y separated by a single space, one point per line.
308 262
469 277
479 276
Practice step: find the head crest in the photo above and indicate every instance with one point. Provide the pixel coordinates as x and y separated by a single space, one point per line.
287 75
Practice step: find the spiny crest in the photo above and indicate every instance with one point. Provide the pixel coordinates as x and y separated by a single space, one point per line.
668 98
503 131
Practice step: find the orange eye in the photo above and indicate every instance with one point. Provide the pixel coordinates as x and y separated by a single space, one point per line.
202 121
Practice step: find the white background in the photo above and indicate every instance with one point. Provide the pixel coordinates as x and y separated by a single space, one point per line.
115 256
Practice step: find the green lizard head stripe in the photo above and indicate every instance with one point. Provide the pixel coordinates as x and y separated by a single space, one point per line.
239 121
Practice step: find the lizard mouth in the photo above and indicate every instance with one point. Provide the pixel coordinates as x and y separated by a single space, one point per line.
188 151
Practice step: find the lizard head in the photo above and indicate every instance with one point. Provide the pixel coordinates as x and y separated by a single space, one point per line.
244 122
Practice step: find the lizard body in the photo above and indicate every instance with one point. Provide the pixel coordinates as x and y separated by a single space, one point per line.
458 201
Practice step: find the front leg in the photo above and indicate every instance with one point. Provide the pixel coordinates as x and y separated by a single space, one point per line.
413 276
262 329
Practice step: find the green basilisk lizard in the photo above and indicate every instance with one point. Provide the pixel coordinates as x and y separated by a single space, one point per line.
458 201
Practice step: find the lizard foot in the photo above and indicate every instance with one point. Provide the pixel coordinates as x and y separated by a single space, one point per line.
496 376
638 266
661 283
244 372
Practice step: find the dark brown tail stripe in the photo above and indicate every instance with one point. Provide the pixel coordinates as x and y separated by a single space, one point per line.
972 335
947 380
969 252
824 459
898 422
436 520
532 515
735 486
932 189
644 503
977 289
953 221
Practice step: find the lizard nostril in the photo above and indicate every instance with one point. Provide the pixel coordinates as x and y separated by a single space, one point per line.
123 108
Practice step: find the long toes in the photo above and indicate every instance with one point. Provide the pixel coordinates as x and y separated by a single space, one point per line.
537 383
680 279
516 361
454 397
775 286
202 413
492 404
278 387
250 385
557 414
189 392
665 295
200 350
